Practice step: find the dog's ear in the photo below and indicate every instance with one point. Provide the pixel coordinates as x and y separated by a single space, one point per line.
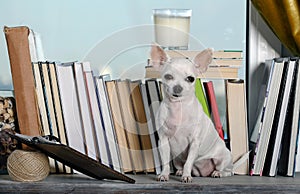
202 60
158 57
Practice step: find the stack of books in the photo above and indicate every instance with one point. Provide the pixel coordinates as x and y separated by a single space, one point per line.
225 64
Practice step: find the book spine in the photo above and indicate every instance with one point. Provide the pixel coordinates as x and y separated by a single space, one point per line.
141 121
108 124
99 130
70 106
119 126
85 112
152 92
58 110
201 96
23 81
209 88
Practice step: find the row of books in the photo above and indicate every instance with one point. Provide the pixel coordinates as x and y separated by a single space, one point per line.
96 116
113 121
102 118
277 126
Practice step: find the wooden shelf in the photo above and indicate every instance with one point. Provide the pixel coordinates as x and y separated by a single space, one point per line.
147 184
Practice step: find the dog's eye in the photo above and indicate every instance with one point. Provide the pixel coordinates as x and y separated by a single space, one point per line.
190 79
168 77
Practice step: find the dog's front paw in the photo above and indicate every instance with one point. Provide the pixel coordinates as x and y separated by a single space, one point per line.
162 177
186 179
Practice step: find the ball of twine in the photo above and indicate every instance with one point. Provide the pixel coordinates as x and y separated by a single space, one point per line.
27 166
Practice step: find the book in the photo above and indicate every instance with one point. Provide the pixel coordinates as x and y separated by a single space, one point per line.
40 98
35 46
199 92
153 97
237 122
286 162
151 129
23 81
130 126
99 132
212 72
107 122
70 106
141 121
58 109
270 166
220 54
265 125
264 74
120 132
90 141
43 66
72 158
212 101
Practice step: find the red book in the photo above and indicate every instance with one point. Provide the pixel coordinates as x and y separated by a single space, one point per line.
211 98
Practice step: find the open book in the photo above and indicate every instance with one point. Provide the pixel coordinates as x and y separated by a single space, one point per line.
71 157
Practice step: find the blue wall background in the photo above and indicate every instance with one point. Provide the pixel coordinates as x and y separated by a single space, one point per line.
114 34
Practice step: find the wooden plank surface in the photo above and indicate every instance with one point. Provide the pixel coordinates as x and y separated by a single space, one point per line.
148 184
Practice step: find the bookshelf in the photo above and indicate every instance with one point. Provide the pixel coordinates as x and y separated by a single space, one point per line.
148 184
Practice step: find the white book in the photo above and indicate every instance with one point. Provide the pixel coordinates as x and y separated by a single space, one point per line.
85 112
107 121
283 111
70 106
294 152
95 110
35 47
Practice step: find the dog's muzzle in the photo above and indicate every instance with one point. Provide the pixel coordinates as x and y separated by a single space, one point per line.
177 89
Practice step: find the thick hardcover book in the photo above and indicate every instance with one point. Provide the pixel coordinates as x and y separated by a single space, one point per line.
23 81
70 106
120 132
237 122
72 158
130 125
141 121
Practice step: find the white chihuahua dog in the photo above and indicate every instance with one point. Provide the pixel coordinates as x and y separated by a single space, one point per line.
185 132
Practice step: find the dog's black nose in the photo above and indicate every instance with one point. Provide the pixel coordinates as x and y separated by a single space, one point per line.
177 89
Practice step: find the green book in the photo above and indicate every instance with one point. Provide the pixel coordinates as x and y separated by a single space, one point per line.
201 96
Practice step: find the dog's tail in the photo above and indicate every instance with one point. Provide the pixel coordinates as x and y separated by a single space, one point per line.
241 160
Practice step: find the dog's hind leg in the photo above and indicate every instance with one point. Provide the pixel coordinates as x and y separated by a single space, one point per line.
224 165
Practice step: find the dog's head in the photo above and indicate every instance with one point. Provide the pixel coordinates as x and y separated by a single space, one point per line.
179 74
